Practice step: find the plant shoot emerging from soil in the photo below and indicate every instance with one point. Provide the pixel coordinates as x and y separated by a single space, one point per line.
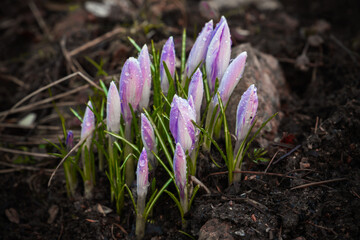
169 128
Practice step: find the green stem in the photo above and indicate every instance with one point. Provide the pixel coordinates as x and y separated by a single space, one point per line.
209 126
193 162
101 161
236 177
217 128
140 220
185 206
88 173
70 177
111 165
130 164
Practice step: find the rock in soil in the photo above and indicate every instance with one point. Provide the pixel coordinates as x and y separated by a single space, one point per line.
214 230
264 71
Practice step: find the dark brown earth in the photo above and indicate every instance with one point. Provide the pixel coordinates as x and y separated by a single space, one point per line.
310 191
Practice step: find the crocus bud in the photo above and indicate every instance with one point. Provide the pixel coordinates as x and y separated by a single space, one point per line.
246 112
69 140
218 53
130 87
113 109
148 138
144 61
183 130
198 51
231 78
167 56
179 166
88 125
142 174
196 91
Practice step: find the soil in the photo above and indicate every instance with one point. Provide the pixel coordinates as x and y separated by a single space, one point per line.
310 191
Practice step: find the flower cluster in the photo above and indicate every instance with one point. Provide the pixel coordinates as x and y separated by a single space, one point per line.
172 128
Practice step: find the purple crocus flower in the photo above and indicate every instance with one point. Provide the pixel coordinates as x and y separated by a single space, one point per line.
231 78
69 140
130 87
196 91
167 56
218 53
246 112
198 51
144 61
148 138
88 125
181 127
142 174
113 109
180 172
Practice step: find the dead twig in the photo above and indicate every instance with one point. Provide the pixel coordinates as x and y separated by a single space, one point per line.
39 127
272 159
15 80
262 208
71 151
316 124
287 154
45 88
318 183
39 103
300 170
35 11
197 181
352 54
16 167
322 227
96 41
355 193
252 172
121 228
41 155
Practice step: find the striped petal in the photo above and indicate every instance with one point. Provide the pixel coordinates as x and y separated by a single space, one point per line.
246 112
113 109
130 87
218 54
167 56
144 61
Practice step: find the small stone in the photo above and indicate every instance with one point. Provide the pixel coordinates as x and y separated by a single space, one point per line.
214 230
240 233
12 215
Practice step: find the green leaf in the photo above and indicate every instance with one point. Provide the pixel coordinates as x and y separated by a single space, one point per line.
124 140
172 196
183 53
164 166
228 145
149 208
166 132
132 41
206 87
211 139
76 115
131 197
186 234
159 137
102 85
156 77
196 189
